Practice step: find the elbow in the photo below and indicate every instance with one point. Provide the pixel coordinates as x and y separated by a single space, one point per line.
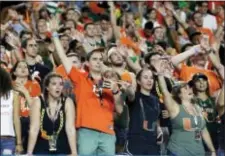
34 130
70 131
119 110
174 61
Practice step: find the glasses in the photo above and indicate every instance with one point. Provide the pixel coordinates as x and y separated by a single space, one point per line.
32 45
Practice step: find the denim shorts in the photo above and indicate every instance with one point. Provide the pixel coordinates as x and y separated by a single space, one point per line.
7 146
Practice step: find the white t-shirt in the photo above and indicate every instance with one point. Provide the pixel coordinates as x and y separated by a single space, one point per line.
7 127
209 21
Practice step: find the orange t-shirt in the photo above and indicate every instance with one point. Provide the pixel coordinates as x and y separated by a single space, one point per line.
207 32
126 40
95 8
34 90
187 72
61 71
92 112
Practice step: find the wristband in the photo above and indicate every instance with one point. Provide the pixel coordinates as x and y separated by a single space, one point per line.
196 51
55 34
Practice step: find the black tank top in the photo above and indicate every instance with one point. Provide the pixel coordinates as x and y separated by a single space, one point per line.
46 129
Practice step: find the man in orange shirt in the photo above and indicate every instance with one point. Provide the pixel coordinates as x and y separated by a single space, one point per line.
198 21
96 101
199 56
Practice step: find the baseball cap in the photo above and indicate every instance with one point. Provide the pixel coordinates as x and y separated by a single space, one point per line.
180 84
198 76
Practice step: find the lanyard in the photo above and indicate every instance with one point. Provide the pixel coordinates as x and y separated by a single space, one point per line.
143 110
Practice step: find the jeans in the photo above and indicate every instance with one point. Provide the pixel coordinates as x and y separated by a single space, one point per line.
91 142
220 152
7 146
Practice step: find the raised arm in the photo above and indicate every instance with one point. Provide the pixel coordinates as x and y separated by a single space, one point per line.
70 127
23 23
135 66
128 89
178 59
169 6
17 123
53 24
34 124
115 29
212 56
170 103
118 100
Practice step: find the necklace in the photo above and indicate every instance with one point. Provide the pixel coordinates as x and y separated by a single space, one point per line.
44 134
195 115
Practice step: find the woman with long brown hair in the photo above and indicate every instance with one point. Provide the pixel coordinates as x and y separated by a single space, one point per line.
52 129
27 89
144 132
11 141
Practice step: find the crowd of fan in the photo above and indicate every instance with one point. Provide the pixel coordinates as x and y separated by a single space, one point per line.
106 78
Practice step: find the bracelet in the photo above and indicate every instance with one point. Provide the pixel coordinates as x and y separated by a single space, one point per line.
55 34
196 51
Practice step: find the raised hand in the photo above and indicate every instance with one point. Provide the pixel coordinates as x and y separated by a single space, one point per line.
20 88
20 17
204 42
109 84
198 49
111 3
13 40
13 14
169 6
53 24
123 85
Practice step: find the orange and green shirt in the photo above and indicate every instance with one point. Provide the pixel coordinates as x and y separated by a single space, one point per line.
187 72
34 90
92 112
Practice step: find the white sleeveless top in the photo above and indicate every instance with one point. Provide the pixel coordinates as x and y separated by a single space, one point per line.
7 127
